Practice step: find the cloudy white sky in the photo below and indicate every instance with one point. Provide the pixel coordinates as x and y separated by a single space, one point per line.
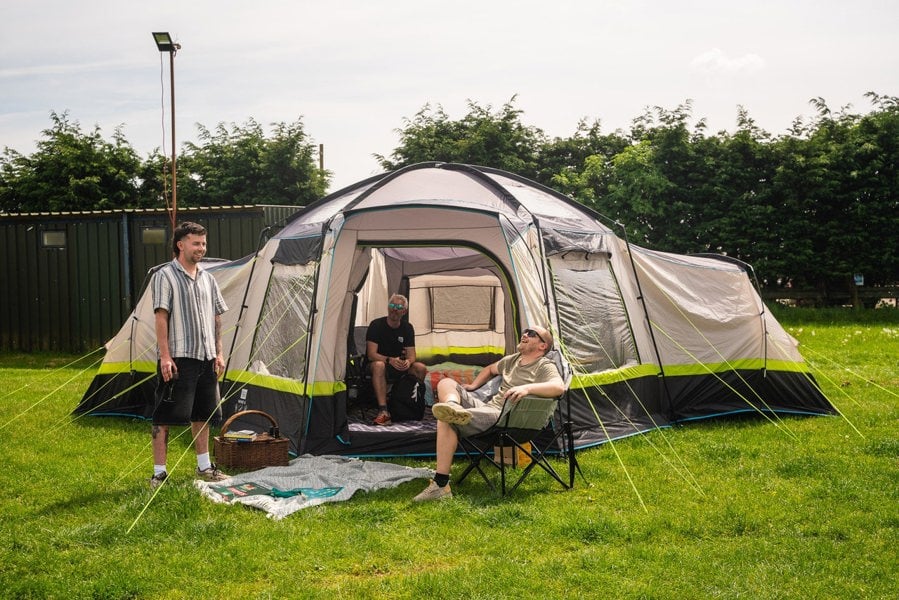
353 70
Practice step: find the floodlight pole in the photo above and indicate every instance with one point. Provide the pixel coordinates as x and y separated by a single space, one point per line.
165 43
174 159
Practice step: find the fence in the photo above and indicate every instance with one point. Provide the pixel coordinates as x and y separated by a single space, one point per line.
69 280
868 297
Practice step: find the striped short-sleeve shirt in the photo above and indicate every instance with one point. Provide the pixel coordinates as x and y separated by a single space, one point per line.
192 305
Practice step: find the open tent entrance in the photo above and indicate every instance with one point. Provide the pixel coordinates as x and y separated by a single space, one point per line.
460 305
460 302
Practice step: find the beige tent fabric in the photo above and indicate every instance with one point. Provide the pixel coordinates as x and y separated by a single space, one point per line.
704 311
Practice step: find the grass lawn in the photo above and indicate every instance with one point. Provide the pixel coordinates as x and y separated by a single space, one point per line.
805 508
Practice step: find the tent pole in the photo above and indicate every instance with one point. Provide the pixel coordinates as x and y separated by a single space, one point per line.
652 336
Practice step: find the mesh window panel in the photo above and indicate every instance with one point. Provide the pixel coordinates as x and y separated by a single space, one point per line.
462 307
279 347
593 320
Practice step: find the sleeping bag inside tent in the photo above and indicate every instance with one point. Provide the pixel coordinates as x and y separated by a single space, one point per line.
652 338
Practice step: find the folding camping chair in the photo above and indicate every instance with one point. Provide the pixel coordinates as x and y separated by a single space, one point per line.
524 428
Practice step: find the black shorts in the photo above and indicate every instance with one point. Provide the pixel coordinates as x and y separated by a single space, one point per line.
192 397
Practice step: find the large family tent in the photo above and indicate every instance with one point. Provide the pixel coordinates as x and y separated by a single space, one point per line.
652 338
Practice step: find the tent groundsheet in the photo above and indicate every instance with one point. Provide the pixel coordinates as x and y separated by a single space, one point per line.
338 476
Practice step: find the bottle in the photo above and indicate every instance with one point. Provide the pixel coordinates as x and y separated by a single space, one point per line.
241 404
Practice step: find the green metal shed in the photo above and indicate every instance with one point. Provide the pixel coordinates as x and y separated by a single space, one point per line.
68 279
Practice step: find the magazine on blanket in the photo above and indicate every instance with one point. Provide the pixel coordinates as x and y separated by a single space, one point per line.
308 493
241 490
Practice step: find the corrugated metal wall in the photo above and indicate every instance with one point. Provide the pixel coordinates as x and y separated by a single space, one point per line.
68 281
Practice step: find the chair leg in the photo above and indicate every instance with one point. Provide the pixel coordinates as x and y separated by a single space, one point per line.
474 456
538 459
502 468
573 463
506 442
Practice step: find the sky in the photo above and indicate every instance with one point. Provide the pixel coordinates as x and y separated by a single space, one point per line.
354 71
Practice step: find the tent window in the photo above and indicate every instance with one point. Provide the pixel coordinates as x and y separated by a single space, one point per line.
463 307
593 319
280 344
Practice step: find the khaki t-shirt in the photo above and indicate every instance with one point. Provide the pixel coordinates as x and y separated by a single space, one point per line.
514 373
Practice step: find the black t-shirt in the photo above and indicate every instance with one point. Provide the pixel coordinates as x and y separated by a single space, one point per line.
390 341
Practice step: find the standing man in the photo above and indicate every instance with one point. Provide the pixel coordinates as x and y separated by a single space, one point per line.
390 350
188 306
528 372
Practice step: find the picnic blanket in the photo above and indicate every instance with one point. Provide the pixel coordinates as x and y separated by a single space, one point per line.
308 481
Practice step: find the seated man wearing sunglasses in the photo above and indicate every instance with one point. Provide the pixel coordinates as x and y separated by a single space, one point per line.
390 349
526 373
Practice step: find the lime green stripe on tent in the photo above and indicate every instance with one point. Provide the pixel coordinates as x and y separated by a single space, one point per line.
112 368
282 384
581 381
748 364
429 351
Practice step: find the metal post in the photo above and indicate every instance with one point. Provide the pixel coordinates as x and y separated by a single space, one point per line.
174 161
165 43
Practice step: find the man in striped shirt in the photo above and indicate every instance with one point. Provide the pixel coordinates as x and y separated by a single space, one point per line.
188 306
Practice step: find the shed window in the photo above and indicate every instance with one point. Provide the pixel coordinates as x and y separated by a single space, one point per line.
152 235
53 238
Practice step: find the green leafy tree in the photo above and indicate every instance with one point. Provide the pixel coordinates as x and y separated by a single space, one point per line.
482 137
579 165
873 191
734 208
838 182
70 170
653 184
153 178
241 165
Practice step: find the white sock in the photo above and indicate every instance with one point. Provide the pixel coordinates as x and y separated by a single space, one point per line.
203 461
158 469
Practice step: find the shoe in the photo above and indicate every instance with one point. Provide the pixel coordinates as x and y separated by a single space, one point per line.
434 492
211 474
452 413
383 418
157 480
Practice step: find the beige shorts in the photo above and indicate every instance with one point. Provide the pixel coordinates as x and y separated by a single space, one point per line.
483 414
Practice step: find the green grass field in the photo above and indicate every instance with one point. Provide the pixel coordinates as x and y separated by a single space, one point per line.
800 508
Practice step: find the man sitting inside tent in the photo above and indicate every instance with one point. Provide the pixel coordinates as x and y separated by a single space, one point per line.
390 349
528 372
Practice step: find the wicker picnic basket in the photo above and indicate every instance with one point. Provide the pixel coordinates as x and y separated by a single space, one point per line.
268 449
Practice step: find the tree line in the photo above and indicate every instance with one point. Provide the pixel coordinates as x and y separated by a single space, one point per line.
74 170
812 207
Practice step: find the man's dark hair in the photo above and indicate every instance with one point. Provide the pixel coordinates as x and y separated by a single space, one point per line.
183 230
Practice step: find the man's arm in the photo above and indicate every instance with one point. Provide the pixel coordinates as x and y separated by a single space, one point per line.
219 357
546 389
166 364
371 352
486 374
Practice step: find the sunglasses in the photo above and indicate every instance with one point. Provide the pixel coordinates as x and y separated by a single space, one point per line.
533 334
396 306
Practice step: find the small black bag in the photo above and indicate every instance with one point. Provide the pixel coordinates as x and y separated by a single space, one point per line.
406 399
355 379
